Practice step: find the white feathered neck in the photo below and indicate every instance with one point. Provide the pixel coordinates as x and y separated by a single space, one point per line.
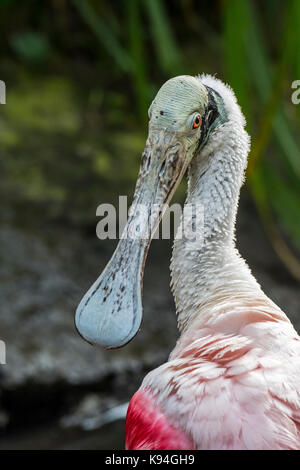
216 175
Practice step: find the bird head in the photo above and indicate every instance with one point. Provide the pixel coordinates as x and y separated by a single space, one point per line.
182 117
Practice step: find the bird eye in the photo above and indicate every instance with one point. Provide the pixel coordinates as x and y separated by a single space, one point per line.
197 121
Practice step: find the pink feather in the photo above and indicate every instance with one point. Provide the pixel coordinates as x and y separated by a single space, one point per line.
227 385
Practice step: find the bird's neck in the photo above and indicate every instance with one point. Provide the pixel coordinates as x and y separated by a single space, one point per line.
211 266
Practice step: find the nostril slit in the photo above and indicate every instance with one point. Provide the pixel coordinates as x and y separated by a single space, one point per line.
148 162
162 167
144 157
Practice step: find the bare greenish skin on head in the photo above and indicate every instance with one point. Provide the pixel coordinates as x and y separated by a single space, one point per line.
177 101
110 313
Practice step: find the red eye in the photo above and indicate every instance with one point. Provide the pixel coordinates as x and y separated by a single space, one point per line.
197 121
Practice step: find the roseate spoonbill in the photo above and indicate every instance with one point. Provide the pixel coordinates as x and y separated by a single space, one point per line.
233 379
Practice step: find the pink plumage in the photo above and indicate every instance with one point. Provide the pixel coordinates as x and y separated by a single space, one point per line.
227 385
147 428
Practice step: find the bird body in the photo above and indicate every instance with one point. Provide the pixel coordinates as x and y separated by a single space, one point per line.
233 378
232 382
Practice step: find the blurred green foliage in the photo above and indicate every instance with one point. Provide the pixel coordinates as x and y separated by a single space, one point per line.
81 74
30 46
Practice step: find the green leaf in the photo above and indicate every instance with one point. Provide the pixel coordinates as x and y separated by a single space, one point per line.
138 55
104 34
285 201
263 78
166 49
30 46
235 26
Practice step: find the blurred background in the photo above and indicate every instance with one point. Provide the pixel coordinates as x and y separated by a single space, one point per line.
80 75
